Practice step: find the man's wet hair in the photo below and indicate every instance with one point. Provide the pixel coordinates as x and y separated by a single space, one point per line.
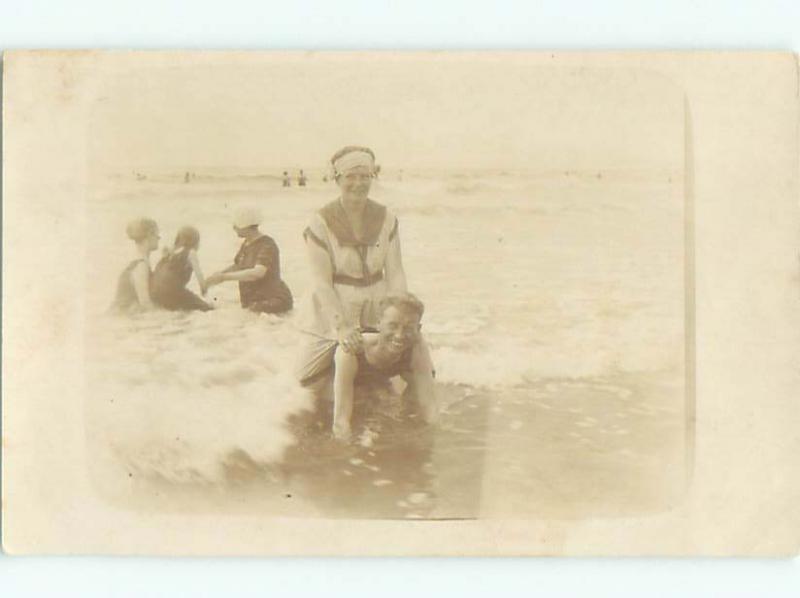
402 301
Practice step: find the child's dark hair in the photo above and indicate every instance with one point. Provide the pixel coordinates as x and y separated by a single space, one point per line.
188 237
402 301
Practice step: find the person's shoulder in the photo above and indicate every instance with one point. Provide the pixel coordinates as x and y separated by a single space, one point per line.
390 223
264 242
140 266
331 205
317 223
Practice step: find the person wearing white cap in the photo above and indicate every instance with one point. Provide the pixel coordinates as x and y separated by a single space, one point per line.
256 268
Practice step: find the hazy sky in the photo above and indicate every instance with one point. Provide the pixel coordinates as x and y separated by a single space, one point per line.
437 113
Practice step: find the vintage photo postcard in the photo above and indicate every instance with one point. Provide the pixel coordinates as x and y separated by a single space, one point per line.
400 303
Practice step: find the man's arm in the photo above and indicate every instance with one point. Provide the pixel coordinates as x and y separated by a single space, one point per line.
344 377
421 383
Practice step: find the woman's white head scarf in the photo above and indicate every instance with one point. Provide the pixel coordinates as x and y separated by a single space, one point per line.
352 160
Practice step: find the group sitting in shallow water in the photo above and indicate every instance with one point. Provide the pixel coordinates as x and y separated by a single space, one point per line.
359 322
256 267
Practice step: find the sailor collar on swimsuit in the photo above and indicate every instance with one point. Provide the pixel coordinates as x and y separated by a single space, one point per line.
339 224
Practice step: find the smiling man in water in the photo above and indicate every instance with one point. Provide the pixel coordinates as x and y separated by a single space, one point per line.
394 349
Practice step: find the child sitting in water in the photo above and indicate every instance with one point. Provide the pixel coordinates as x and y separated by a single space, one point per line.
174 271
394 349
133 287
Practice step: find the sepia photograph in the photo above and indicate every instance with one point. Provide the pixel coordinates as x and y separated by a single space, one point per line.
400 303
387 287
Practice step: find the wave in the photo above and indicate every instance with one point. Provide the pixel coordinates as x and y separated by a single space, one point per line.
177 396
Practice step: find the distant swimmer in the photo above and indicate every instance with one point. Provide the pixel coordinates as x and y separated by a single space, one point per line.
256 268
174 271
287 182
301 179
133 287
186 177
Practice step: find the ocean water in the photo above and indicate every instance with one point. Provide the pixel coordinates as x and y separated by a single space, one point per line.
554 311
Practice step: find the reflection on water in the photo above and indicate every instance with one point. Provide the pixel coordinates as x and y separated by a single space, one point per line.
394 467
561 448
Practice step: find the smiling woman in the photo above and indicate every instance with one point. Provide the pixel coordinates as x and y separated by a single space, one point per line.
353 248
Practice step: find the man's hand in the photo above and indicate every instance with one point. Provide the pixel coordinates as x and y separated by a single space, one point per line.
341 431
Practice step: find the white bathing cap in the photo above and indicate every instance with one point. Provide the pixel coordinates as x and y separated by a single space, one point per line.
245 217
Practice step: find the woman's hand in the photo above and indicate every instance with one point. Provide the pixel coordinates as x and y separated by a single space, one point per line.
213 280
350 340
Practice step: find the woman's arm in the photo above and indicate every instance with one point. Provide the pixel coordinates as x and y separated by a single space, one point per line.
348 335
343 380
420 382
255 273
322 281
198 273
140 276
395 274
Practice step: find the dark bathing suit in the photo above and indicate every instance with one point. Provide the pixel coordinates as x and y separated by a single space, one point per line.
169 281
269 294
367 373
